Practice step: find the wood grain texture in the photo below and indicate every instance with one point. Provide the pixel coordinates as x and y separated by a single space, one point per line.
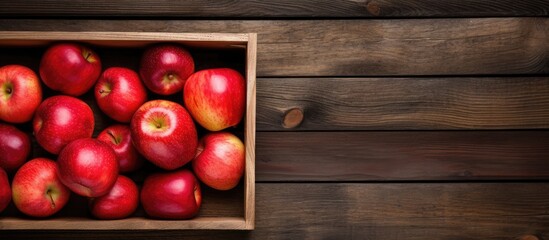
402 156
123 39
404 103
274 8
250 130
78 223
219 210
361 47
373 211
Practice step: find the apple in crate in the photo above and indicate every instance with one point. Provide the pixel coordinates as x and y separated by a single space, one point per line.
20 93
220 160
88 167
216 98
37 190
5 190
164 133
60 120
165 68
70 68
119 93
15 147
119 138
120 202
171 195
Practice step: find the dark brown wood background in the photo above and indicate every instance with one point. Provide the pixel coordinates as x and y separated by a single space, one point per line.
422 119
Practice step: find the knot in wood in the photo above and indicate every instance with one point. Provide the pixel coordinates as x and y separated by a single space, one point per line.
373 8
292 118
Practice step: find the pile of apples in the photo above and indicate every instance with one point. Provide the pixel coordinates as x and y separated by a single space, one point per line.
161 131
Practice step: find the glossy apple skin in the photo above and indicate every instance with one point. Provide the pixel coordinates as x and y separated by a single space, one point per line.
60 120
5 190
171 195
165 68
88 167
120 202
37 190
20 93
164 133
15 147
70 68
119 93
118 137
216 98
220 160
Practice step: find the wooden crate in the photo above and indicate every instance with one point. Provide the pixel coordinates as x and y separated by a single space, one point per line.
232 209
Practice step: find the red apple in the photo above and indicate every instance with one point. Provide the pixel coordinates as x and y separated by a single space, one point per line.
120 202
36 188
220 160
15 147
119 138
60 120
5 190
216 98
88 167
164 133
70 68
165 68
171 195
119 93
20 93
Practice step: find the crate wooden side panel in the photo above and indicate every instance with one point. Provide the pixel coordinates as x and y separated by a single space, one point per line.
220 210
232 209
477 46
222 223
249 179
274 8
123 39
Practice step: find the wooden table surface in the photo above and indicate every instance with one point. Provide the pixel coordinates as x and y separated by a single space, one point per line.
376 119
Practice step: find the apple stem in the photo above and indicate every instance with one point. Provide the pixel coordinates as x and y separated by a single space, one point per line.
51 198
199 149
115 139
8 90
88 55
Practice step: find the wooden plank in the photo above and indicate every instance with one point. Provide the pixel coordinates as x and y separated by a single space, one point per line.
274 8
402 156
249 133
123 224
219 210
404 103
374 211
360 47
123 39
397 211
